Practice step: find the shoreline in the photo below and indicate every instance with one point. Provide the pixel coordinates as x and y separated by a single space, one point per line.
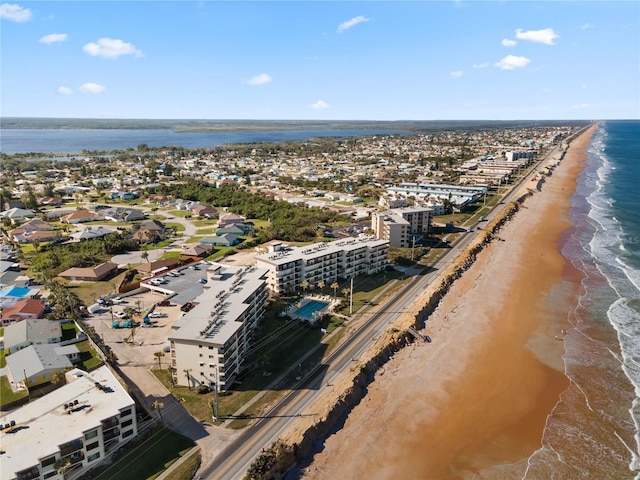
454 418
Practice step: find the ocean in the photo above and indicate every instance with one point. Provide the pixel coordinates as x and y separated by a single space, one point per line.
594 431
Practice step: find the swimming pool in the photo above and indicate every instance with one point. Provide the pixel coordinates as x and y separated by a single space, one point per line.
307 309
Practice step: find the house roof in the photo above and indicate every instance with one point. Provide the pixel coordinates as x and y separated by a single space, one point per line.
82 214
36 359
36 330
194 249
163 263
17 213
89 233
96 272
24 307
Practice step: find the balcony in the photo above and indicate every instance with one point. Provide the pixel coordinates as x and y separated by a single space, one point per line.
109 434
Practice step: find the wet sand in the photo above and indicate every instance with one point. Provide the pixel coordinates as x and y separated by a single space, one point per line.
474 402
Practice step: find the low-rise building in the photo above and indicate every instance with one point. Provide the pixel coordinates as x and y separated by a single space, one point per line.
290 266
68 430
211 340
34 331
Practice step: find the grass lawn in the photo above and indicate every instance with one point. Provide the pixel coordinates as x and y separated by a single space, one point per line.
206 231
194 239
187 469
205 223
283 343
3 359
178 227
179 213
88 355
149 459
6 394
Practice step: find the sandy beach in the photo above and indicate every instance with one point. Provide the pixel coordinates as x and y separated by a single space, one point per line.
474 402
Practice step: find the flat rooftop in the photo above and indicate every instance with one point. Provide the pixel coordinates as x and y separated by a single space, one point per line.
224 299
44 424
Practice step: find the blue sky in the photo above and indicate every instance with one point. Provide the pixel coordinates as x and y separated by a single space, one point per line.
331 60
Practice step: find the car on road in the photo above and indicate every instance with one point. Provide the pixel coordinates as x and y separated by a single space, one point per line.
117 301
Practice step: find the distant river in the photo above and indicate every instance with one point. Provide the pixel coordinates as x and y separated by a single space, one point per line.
76 140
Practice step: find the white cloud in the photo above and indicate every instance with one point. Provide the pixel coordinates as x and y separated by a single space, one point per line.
582 105
92 88
481 65
64 90
261 79
111 48
15 13
320 105
511 62
456 74
586 26
546 35
508 43
53 38
344 26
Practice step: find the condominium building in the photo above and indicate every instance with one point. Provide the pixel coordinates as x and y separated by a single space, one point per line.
289 266
457 194
68 430
211 341
400 225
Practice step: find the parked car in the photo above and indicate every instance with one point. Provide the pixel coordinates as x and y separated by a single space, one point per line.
120 314
156 315
117 301
163 303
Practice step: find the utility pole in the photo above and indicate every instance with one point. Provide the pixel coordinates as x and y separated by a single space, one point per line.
217 399
351 298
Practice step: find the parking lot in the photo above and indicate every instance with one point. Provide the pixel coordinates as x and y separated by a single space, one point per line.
147 340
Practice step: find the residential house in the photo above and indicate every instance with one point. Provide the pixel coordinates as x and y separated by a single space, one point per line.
92 274
229 219
51 201
195 250
234 229
206 211
82 216
90 233
152 268
17 214
31 331
225 240
37 364
150 231
21 310
120 214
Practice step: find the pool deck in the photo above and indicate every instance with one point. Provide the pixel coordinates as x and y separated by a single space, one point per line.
293 309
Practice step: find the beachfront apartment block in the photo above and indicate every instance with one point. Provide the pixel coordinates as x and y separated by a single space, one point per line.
69 430
401 225
289 266
458 195
211 341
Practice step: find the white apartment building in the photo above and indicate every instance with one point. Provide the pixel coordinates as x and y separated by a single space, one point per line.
457 194
73 427
400 225
211 340
289 266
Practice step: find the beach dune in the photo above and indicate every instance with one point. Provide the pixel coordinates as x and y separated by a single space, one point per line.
474 402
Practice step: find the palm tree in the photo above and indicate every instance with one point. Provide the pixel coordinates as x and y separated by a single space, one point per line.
159 356
144 255
335 286
304 284
158 406
321 284
346 292
186 372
